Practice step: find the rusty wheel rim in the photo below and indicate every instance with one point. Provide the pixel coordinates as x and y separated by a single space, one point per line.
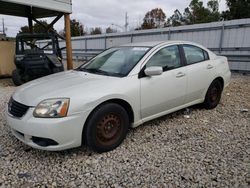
214 94
109 129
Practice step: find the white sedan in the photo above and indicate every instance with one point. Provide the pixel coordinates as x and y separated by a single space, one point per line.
122 87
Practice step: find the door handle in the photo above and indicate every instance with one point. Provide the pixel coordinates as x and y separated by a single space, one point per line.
180 74
210 66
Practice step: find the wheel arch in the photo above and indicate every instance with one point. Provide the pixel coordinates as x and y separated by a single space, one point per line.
123 103
221 80
207 103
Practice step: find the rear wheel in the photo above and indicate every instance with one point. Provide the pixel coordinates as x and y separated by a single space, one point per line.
213 95
106 128
16 78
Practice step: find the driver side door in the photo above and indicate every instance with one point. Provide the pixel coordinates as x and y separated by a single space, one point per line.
163 93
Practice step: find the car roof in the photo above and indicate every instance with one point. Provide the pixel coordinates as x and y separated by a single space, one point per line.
153 43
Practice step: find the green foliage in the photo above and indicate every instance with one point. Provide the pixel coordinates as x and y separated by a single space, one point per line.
154 19
110 30
96 31
213 7
200 14
176 19
237 9
24 29
186 16
76 28
196 13
37 28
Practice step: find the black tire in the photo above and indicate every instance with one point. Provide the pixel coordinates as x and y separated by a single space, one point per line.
16 78
106 128
213 95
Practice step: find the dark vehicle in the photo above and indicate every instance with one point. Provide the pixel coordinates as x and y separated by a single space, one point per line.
37 55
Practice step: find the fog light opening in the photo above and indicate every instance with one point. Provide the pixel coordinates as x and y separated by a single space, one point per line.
44 142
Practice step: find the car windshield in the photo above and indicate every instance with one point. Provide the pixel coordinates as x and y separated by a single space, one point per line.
115 61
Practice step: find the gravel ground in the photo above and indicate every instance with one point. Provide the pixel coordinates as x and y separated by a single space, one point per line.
189 148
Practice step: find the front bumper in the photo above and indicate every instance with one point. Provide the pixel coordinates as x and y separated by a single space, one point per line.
65 132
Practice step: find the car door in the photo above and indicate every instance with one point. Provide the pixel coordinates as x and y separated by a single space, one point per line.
166 91
197 63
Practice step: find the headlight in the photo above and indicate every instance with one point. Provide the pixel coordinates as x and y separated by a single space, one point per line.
52 108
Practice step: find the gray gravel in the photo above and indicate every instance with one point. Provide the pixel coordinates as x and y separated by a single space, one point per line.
190 148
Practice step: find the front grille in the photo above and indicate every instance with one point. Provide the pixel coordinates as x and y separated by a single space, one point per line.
17 109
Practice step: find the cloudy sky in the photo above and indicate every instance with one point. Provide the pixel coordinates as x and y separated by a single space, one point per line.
93 13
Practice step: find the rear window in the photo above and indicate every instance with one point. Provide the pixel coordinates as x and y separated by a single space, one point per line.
194 54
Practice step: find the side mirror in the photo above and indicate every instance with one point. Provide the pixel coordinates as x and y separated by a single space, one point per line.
153 71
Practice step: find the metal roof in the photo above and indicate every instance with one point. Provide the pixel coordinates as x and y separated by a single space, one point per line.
40 8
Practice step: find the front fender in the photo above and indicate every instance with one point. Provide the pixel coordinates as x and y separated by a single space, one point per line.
88 105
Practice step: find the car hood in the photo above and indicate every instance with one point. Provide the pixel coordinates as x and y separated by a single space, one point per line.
62 85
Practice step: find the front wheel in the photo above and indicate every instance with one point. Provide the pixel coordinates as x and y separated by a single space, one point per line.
16 78
106 128
213 95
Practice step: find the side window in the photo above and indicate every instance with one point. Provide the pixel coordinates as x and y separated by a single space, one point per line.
206 55
194 54
168 58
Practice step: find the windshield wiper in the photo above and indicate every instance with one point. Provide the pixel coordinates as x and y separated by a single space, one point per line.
97 71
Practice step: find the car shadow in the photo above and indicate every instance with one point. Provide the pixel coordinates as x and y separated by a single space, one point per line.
178 114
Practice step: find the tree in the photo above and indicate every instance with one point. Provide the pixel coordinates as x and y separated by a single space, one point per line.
237 9
76 28
176 19
154 19
24 29
110 30
37 28
186 16
197 13
213 7
96 31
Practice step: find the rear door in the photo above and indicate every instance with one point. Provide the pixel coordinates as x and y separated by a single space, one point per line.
167 91
198 68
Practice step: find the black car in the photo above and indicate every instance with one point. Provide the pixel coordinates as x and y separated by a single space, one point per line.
37 55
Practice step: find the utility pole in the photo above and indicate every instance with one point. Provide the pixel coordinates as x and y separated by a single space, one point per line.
126 22
123 27
3 26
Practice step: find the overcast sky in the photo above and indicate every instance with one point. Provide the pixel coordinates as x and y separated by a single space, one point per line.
98 13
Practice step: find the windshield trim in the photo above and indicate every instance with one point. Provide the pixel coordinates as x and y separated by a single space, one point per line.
81 67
